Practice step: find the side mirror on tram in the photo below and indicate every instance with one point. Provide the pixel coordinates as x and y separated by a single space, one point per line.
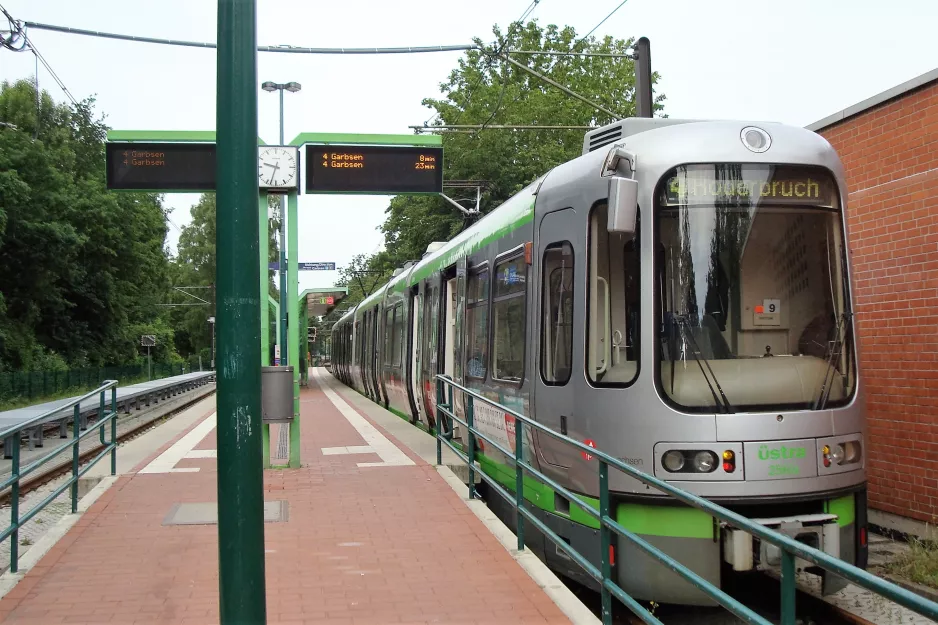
623 205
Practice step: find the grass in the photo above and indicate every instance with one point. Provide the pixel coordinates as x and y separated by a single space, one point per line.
919 564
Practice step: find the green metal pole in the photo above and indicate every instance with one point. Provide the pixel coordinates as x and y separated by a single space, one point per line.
76 432
605 541
788 588
439 441
293 329
114 430
519 481
15 506
276 305
242 592
263 253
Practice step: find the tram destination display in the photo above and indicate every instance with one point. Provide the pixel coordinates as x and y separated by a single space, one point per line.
161 166
373 169
708 185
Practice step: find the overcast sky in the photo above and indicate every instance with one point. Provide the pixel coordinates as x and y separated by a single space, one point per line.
793 62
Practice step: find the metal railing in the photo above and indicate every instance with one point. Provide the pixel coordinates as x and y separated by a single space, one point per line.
35 385
789 547
17 473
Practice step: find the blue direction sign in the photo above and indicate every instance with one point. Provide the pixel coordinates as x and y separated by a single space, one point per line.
317 266
274 265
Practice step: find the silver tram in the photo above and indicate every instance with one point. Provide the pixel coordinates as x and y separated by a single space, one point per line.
678 296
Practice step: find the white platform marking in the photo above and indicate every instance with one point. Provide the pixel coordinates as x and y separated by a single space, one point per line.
202 453
390 455
166 461
351 449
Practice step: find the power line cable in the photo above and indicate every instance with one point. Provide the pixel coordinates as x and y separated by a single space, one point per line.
49 69
15 33
603 21
497 52
288 49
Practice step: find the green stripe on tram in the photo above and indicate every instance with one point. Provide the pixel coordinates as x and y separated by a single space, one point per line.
844 507
644 519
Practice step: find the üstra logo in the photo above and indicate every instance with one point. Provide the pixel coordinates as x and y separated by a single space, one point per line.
765 453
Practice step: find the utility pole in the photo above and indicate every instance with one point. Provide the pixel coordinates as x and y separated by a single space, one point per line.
242 592
643 96
292 87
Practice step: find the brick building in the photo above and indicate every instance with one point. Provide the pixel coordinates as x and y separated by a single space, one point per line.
889 147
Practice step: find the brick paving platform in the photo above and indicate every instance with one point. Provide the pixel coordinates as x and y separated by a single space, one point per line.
385 542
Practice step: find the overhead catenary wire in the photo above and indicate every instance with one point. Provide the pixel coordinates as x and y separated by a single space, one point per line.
49 69
307 50
15 35
498 50
287 49
603 21
17 30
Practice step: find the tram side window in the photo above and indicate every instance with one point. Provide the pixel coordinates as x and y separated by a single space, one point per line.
398 330
613 299
508 309
361 343
477 324
388 340
557 322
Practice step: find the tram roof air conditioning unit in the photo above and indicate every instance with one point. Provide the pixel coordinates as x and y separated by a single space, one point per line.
434 247
616 131
397 272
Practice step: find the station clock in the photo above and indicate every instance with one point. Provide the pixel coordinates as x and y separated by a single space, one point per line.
278 167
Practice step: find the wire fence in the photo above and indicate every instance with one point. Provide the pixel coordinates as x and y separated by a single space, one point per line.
30 385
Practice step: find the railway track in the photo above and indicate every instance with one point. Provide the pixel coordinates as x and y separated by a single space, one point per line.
58 468
759 593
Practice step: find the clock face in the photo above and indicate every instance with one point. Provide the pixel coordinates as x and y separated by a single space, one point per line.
276 167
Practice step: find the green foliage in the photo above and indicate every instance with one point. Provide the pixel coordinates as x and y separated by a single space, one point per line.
80 267
485 89
193 271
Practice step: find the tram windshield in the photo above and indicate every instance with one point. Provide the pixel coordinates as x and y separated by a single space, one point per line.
752 288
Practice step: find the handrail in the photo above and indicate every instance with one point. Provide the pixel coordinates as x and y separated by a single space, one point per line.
13 429
788 546
17 473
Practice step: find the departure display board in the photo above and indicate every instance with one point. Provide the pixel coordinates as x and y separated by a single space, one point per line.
161 166
373 169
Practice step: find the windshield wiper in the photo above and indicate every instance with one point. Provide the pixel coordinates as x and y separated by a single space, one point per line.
701 361
842 331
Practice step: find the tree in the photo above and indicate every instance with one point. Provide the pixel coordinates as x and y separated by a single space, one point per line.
194 266
80 267
485 89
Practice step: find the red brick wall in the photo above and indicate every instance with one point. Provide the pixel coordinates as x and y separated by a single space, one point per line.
890 154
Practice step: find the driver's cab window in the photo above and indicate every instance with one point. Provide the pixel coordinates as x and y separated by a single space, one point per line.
613 302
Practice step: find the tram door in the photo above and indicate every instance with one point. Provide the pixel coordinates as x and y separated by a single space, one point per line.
558 237
412 363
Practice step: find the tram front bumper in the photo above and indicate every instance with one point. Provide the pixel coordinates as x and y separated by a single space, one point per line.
745 552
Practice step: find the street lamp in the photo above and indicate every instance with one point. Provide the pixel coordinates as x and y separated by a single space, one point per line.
292 87
211 320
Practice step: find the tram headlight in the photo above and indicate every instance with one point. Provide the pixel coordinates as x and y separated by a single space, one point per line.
852 452
673 461
705 461
837 454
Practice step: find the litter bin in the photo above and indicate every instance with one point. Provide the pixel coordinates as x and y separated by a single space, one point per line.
277 394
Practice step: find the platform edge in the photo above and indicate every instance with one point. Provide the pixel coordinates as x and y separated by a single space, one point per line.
563 597
31 558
